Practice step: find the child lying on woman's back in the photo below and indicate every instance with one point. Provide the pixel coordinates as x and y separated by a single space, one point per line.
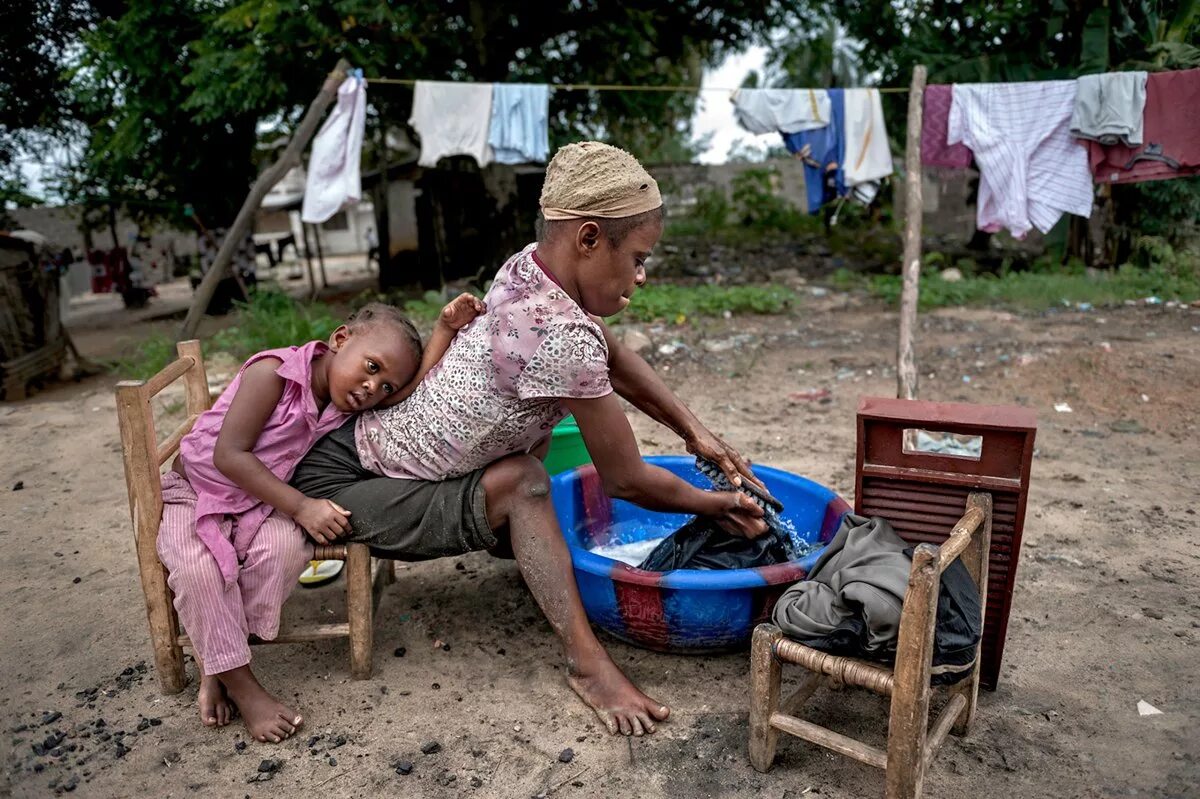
233 531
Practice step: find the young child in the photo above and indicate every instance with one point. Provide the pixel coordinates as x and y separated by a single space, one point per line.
232 532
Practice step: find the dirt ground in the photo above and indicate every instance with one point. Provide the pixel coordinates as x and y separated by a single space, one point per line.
1106 611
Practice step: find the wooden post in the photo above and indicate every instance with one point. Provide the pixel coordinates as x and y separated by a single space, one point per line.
269 177
764 695
909 719
360 609
312 276
906 366
320 256
140 453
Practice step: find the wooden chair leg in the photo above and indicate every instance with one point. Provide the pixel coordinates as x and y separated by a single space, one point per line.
360 609
164 627
974 557
764 695
908 724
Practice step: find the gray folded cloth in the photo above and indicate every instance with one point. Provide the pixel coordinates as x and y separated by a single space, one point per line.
856 588
1110 108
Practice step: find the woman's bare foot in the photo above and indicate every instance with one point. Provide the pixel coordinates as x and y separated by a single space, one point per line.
617 701
215 709
266 718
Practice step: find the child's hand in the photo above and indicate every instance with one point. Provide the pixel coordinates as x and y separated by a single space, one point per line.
324 520
461 310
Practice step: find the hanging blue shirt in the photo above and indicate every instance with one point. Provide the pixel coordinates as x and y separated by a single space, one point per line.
827 145
520 127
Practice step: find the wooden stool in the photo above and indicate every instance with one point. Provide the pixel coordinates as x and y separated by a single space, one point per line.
941 500
144 458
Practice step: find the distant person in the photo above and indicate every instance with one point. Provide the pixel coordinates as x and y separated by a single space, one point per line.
456 467
233 531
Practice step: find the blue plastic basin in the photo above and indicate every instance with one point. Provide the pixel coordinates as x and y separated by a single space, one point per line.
686 610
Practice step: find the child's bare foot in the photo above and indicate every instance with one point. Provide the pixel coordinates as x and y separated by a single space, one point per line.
266 718
617 701
215 710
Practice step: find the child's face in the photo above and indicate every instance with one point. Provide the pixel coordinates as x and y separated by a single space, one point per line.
612 274
368 366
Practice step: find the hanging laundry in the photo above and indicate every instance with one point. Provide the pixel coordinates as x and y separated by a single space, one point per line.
868 153
1171 146
783 110
934 149
452 119
1031 169
822 150
520 128
334 166
1109 108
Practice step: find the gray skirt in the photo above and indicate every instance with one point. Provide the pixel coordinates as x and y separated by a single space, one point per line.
398 519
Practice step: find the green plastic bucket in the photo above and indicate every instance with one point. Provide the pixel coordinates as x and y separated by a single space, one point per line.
567 449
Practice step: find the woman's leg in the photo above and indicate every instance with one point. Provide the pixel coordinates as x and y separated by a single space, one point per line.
517 493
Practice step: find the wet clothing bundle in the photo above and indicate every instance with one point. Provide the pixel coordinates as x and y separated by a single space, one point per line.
851 602
701 544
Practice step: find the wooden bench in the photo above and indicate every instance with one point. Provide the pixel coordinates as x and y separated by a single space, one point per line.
145 456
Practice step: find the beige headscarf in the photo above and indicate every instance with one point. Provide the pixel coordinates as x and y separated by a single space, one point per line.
598 180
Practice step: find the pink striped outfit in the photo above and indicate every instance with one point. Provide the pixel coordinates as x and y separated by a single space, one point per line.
232 559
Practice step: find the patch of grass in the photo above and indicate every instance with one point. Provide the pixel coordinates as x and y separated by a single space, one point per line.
1035 290
270 320
671 303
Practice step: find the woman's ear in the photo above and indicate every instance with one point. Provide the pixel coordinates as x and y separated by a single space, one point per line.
338 338
588 237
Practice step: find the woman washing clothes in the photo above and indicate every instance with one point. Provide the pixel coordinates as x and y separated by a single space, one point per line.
455 467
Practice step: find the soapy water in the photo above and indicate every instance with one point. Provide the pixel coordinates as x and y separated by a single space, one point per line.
633 552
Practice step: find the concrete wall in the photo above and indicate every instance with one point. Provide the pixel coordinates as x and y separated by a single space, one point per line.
61 227
680 182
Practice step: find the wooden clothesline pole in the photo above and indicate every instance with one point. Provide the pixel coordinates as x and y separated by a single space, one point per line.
269 177
906 363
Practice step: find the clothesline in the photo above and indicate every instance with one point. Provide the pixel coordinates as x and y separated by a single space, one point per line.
620 87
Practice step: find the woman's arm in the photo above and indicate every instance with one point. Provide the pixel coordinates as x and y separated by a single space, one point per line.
454 317
611 443
257 396
636 381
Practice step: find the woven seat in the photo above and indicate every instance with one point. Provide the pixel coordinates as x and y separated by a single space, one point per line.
145 457
954 500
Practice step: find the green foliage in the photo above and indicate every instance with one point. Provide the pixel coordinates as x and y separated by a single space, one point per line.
270 320
1157 270
712 207
673 303
757 206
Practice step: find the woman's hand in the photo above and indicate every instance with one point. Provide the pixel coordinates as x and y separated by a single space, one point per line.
706 444
324 520
459 312
739 515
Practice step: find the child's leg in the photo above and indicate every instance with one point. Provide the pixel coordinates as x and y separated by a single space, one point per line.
213 624
518 498
273 562
275 559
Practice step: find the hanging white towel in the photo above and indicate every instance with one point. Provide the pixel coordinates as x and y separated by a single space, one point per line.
520 128
1031 170
781 110
868 153
334 166
452 119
